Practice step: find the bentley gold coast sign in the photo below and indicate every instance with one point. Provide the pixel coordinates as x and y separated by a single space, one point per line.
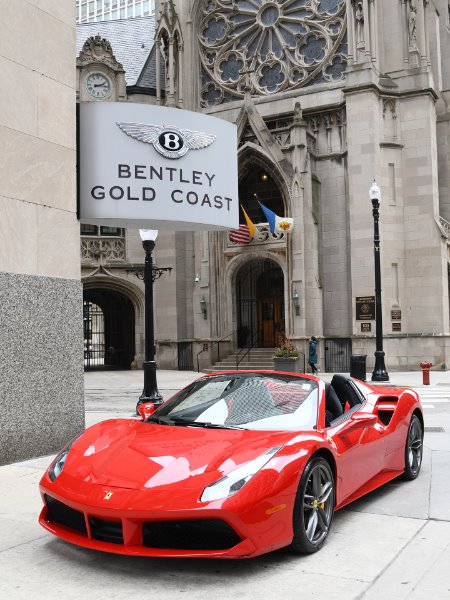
152 167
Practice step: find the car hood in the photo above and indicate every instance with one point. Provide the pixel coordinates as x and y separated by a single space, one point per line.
138 455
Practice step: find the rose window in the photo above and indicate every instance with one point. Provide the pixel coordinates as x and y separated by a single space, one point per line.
268 46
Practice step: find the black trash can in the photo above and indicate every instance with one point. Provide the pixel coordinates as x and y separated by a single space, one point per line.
358 366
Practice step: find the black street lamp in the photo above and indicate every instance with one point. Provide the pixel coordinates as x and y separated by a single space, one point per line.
379 372
150 392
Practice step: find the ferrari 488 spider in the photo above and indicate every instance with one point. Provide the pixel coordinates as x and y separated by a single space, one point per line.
232 466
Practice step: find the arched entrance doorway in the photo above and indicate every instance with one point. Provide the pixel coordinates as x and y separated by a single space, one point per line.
260 303
108 325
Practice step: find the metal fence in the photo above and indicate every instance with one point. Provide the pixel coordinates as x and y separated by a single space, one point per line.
94 336
337 355
185 362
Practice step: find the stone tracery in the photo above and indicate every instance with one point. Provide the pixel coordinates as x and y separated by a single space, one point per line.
268 46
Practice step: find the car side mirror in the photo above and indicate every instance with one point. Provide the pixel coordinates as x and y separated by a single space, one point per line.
363 419
146 409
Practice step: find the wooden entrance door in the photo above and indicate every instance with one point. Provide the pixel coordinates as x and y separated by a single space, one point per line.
270 320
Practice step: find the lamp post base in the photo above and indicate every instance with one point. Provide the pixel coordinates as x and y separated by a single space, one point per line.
379 372
150 392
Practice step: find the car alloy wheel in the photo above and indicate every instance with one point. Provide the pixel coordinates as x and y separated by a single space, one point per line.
413 449
314 507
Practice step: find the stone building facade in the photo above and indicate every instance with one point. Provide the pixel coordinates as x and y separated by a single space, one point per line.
327 96
41 380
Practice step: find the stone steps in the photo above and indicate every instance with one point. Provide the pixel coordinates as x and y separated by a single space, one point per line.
258 358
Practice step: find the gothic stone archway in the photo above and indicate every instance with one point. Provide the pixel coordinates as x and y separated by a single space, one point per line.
108 323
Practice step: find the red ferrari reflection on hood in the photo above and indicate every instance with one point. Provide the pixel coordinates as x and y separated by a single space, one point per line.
141 455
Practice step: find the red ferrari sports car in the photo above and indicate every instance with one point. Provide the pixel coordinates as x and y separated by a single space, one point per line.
234 465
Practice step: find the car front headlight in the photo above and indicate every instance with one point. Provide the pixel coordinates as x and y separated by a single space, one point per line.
235 481
57 465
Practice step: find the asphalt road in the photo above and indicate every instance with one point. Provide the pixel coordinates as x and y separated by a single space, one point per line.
394 543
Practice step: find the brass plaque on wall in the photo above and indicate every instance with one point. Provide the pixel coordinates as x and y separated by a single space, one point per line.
396 326
396 315
366 327
365 308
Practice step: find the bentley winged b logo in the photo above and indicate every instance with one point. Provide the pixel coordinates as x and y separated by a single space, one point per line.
171 142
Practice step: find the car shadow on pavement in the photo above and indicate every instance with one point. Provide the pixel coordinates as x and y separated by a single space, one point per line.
162 568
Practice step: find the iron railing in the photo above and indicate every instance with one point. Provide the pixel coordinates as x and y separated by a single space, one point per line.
211 345
253 341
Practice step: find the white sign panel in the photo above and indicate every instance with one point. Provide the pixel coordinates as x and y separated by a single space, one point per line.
151 167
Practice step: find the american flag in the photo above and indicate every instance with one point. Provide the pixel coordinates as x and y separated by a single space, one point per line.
240 236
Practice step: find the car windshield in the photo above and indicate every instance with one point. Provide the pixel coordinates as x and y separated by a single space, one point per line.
257 401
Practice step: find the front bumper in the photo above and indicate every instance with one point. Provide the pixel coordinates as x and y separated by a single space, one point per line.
120 521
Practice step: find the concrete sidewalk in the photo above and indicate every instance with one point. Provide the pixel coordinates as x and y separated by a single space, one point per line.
393 543
168 380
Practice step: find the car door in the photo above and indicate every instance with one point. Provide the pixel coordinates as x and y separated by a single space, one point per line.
358 439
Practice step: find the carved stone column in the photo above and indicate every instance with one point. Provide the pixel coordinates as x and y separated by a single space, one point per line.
350 32
305 245
421 33
404 24
158 71
296 241
180 74
171 74
373 30
367 41
426 32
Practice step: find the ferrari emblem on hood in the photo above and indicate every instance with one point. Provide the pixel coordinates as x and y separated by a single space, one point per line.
171 142
108 495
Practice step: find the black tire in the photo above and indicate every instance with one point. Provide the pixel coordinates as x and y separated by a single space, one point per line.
314 507
413 449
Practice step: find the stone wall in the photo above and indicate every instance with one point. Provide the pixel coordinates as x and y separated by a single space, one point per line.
41 349
41 381
404 353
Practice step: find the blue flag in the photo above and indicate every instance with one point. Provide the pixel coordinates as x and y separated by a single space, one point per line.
270 216
277 224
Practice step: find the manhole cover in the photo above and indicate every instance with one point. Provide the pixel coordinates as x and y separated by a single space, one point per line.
434 430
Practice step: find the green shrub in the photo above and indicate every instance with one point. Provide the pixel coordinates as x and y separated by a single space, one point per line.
286 348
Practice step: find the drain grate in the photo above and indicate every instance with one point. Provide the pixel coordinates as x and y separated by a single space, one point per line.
434 430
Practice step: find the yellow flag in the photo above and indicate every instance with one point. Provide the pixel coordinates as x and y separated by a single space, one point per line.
251 226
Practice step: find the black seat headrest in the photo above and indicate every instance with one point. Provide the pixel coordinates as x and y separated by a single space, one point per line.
345 390
332 403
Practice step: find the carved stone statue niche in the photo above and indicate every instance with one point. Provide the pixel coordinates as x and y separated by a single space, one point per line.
359 26
412 24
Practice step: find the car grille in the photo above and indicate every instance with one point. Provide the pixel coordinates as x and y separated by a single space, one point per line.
106 531
65 515
195 534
